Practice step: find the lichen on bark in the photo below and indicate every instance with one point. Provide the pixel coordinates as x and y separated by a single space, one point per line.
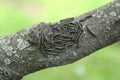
54 44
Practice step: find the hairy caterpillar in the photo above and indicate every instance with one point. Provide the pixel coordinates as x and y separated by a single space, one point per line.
56 38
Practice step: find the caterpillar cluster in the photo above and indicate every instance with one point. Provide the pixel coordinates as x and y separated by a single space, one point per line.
56 38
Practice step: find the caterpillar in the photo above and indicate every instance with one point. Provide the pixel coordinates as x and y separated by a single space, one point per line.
55 38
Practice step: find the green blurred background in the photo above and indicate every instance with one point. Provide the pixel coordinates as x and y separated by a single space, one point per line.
18 14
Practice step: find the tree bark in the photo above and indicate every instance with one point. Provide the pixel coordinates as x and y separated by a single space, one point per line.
47 45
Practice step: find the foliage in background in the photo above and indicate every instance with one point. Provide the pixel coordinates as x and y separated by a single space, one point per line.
18 14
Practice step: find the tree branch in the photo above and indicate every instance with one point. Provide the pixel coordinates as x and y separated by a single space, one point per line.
54 44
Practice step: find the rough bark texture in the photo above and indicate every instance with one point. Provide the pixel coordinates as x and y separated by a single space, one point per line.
54 44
